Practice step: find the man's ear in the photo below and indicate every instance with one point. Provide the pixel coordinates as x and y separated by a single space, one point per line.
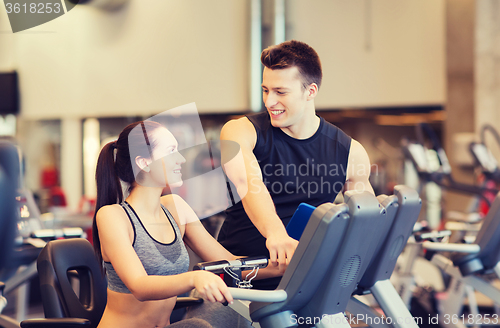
142 163
311 91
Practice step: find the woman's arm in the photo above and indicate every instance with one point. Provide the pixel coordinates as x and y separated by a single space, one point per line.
194 233
202 243
116 236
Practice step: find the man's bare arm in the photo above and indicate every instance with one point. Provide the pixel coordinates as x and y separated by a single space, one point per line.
358 169
244 172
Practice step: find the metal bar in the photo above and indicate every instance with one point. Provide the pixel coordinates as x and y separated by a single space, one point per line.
392 305
21 277
365 313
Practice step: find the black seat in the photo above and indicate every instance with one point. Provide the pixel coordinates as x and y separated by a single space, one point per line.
55 264
58 264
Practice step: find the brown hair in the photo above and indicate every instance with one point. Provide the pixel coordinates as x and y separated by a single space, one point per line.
294 53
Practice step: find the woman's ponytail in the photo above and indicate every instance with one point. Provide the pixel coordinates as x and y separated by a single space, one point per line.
109 189
113 168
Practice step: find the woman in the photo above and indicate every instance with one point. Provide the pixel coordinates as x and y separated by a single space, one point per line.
141 239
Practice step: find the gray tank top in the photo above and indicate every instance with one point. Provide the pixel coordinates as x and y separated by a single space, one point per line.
158 259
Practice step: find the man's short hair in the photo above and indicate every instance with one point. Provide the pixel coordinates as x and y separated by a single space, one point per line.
294 53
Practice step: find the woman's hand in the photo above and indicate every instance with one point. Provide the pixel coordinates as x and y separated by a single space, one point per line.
211 287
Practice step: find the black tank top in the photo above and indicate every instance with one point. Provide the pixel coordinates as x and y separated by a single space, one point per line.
309 170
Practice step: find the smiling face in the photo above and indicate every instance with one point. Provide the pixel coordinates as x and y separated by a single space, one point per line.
167 154
165 165
289 104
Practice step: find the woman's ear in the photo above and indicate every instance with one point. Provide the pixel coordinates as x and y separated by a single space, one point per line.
142 163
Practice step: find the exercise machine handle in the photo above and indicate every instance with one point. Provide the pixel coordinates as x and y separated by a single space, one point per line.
242 264
444 247
431 235
258 295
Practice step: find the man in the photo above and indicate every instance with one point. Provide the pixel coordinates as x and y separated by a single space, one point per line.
290 155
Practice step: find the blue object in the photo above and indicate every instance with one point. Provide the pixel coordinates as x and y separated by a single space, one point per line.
299 220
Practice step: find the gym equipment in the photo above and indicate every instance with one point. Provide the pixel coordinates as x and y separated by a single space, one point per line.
323 290
17 272
487 170
483 156
333 253
469 266
8 186
405 205
298 222
62 306
20 238
442 176
232 270
434 172
404 279
30 237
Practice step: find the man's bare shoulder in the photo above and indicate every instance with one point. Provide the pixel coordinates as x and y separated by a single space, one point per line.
240 130
238 126
356 147
358 154
358 172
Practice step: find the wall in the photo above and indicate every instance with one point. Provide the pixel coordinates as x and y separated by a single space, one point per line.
154 55
374 53
143 59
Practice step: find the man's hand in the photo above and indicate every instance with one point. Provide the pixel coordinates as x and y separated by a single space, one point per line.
281 248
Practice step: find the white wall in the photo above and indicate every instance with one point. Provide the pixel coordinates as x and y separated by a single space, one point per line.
158 54
7 60
148 57
375 52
